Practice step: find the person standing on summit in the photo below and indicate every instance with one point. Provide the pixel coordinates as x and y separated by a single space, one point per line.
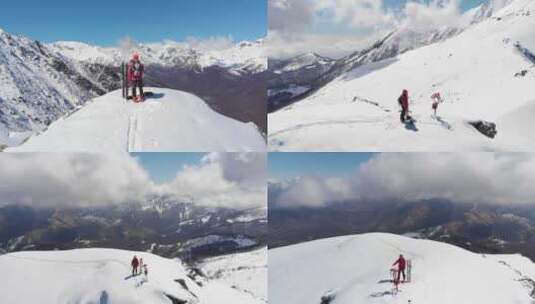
135 77
403 101
135 264
401 263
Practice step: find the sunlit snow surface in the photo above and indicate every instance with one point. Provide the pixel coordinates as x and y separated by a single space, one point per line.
246 271
103 276
355 269
170 121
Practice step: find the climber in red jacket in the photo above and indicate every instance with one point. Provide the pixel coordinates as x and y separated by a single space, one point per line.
135 77
403 101
135 264
402 263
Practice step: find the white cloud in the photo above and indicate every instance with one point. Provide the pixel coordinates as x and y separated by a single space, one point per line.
55 179
127 45
354 13
436 14
210 43
232 180
337 28
465 178
290 15
336 45
310 191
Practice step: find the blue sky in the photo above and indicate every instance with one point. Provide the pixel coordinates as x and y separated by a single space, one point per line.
106 22
163 167
288 165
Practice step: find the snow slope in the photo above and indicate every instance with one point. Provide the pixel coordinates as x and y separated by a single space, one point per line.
474 71
170 121
103 276
355 269
245 271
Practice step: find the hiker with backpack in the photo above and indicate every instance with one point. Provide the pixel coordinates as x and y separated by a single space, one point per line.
401 264
135 77
135 265
437 99
403 101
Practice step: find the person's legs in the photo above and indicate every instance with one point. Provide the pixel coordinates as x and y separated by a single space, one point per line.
140 83
403 273
402 115
134 90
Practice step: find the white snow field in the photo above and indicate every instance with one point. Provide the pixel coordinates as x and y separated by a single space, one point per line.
355 269
170 121
104 276
245 271
474 72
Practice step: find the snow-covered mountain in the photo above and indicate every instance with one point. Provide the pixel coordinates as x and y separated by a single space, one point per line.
485 75
292 77
244 57
169 121
37 86
295 78
161 225
40 83
479 228
355 269
104 276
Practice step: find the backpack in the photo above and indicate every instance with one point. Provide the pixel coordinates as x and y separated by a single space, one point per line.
137 69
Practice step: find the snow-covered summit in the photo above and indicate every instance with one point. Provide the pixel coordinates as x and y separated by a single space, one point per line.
41 82
104 276
355 269
169 121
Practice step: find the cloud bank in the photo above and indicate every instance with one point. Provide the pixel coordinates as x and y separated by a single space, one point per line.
336 28
223 180
56 179
232 180
127 45
465 178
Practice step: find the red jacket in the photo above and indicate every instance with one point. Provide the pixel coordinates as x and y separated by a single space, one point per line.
401 263
404 100
135 262
135 70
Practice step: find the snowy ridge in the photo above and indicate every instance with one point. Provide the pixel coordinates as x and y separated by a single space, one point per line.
169 121
355 269
244 56
309 72
480 74
37 87
302 61
104 276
